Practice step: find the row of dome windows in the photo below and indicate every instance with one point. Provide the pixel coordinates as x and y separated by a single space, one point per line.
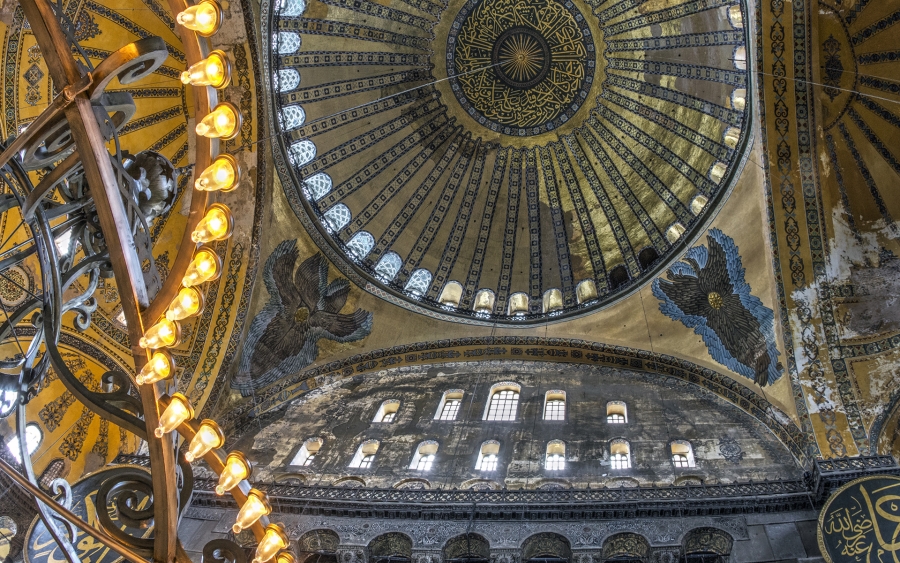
425 454
502 406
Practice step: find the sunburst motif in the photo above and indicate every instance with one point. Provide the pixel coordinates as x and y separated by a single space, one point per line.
521 58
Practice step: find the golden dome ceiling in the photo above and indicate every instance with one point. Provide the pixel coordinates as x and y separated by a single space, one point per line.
508 160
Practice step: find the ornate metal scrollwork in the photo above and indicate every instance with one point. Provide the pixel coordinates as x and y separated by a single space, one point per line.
223 551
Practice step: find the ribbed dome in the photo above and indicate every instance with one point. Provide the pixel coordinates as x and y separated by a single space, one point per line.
509 160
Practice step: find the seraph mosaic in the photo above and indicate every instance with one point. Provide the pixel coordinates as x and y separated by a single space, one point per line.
706 291
302 309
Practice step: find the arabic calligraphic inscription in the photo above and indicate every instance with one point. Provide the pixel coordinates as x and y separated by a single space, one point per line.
861 522
520 67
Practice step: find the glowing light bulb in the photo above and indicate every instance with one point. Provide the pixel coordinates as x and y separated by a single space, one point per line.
214 70
256 507
237 468
161 366
204 17
285 557
208 436
178 411
187 303
223 122
223 174
217 224
204 267
273 541
163 334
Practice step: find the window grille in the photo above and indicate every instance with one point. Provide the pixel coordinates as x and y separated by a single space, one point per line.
302 153
287 42
555 410
337 217
287 79
418 282
488 463
680 460
318 184
615 419
450 410
620 461
388 266
425 462
361 244
555 462
309 459
291 7
388 417
366 461
33 438
503 405
292 117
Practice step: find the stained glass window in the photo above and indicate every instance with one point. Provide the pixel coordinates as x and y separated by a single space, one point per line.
292 117
361 244
288 79
319 185
286 42
388 266
418 282
337 217
302 152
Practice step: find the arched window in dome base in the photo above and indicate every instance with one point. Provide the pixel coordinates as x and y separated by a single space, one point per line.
392 547
546 547
467 548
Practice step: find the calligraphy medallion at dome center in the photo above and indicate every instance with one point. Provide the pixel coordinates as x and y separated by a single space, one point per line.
520 67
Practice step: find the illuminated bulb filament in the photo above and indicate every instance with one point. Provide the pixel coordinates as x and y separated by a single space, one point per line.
161 366
222 175
213 71
163 334
204 18
236 470
256 507
187 303
208 436
217 224
273 541
204 267
178 411
223 122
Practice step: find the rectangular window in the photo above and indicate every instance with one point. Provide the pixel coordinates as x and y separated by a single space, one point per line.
555 462
503 406
450 410
555 410
388 417
366 461
488 463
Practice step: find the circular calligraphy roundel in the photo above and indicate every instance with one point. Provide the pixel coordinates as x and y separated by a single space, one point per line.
861 521
520 67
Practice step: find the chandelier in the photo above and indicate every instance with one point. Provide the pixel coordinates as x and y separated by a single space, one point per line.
103 201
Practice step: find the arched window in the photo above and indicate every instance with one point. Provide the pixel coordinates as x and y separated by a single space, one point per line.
361 244
484 302
625 547
717 172
318 184
451 294
467 548
318 546
546 547
503 403
448 408
619 454
555 459
739 99
388 266
682 453
616 412
286 42
287 79
337 217
308 452
488 456
735 16
707 545
8 401
518 304
698 204
302 153
555 405
618 277
33 438
674 232
585 291
647 257
418 282
552 301
740 58
387 412
365 454
423 459
392 547
731 136
292 117
291 8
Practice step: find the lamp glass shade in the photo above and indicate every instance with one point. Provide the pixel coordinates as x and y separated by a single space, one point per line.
203 18
208 436
178 411
161 335
222 175
217 224
161 366
187 303
204 267
236 470
222 122
214 70
256 507
273 541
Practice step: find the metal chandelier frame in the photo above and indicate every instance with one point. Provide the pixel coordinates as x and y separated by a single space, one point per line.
86 190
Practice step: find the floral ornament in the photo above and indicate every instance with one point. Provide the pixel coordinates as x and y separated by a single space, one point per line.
707 292
302 309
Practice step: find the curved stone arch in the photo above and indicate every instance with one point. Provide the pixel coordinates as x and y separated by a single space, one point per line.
707 540
415 484
351 482
320 540
576 352
467 546
546 545
391 545
481 485
551 484
625 544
